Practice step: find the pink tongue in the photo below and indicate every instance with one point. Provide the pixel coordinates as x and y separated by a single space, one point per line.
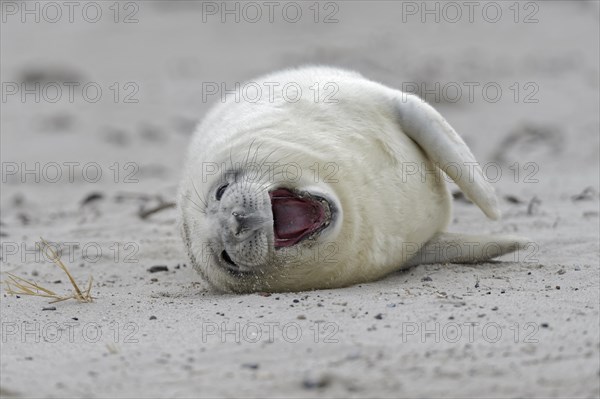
294 217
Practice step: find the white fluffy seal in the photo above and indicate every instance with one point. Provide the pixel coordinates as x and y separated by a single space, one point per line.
319 178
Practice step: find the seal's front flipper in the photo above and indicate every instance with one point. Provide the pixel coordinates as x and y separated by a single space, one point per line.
446 149
464 248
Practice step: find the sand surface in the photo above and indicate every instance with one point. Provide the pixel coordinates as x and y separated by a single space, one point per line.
527 326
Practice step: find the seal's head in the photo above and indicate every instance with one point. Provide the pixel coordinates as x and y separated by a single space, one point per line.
249 232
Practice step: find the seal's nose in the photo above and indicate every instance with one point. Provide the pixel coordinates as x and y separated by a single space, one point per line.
245 223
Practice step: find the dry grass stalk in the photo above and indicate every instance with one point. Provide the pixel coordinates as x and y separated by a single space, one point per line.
19 286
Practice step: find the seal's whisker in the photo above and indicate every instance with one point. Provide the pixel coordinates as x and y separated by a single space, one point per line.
197 207
256 153
248 153
259 166
203 197
270 169
267 157
246 164
271 176
231 160
264 178
204 202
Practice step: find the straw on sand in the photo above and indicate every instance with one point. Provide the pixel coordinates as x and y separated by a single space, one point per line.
19 286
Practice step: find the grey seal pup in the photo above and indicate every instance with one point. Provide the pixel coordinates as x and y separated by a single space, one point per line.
316 177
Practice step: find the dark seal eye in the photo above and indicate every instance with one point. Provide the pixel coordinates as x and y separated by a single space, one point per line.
227 259
220 191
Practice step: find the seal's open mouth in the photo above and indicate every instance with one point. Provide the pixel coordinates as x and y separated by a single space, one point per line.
297 216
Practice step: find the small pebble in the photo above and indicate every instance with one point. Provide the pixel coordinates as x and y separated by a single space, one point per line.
152 317
49 308
91 198
301 317
320 381
513 199
561 271
159 268
426 278
379 316
544 325
252 366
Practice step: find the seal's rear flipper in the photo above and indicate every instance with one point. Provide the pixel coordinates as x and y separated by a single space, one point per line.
446 149
463 248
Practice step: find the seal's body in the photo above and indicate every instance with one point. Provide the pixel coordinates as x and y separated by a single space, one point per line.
319 178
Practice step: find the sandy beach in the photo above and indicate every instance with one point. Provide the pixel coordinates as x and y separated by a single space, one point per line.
99 102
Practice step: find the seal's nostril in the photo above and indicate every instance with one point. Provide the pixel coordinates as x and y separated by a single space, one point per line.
227 259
